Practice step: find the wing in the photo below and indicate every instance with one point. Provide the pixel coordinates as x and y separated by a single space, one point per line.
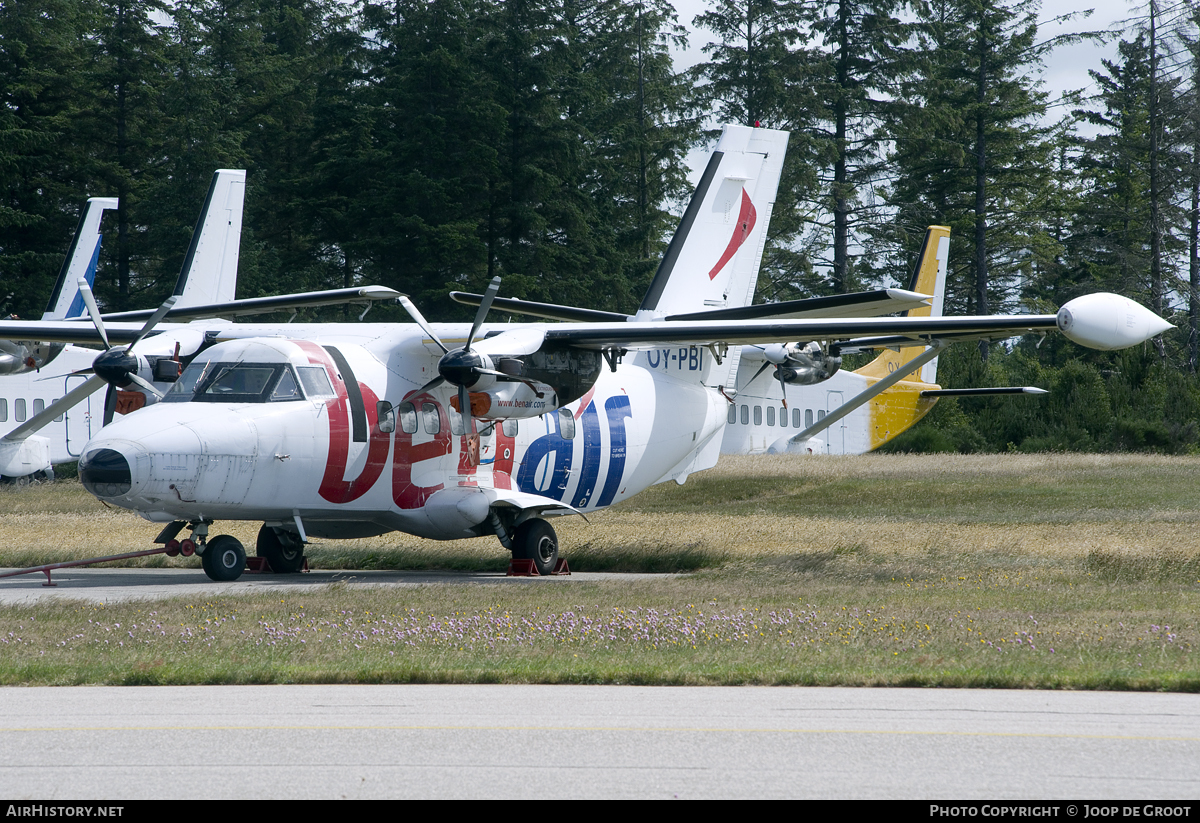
126 326
1098 321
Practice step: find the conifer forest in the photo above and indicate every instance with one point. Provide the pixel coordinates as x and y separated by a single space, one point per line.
428 145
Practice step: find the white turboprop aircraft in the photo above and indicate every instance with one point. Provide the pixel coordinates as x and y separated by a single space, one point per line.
351 430
36 374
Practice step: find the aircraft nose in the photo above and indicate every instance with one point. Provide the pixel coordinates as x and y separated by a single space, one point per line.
105 473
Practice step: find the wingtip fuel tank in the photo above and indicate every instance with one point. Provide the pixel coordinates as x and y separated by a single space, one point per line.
1108 322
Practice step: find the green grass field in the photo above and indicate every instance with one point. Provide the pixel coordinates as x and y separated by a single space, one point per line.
1053 571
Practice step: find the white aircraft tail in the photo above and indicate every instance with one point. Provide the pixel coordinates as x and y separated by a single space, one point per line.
209 272
80 261
714 257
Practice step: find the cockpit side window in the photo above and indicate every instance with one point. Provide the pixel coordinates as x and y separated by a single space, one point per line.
315 381
286 389
185 386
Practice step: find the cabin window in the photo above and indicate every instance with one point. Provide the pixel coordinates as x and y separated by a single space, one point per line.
509 427
758 415
795 418
745 415
456 422
770 415
732 413
783 417
386 416
19 409
430 419
566 424
820 414
39 406
408 418
808 418
3 409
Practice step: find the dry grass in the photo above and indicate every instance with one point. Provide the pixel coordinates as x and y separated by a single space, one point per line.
1055 571
1008 509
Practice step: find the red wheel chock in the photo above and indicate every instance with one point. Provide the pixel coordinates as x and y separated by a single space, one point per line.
521 568
526 568
259 565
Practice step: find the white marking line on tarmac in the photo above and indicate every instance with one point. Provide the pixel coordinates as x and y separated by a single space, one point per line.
678 729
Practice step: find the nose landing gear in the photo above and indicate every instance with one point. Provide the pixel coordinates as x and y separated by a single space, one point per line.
224 558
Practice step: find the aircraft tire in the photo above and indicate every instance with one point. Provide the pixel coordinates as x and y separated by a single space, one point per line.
284 558
224 559
535 540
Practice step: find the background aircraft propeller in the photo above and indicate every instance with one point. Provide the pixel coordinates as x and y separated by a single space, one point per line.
116 367
804 365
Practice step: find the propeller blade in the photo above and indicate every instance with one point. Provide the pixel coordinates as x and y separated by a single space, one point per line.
419 319
147 385
59 406
110 403
484 305
765 366
464 408
782 385
158 315
432 384
85 291
515 342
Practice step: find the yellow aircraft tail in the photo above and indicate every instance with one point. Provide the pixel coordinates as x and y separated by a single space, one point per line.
901 406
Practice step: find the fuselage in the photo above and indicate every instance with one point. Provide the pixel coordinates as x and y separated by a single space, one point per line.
297 432
24 395
759 422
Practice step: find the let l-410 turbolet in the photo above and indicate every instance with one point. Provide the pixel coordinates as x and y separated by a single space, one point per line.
339 431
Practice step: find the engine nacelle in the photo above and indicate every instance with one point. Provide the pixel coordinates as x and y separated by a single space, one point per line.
803 365
18 357
548 379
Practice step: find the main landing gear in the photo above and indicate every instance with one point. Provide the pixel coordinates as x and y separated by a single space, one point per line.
534 547
283 550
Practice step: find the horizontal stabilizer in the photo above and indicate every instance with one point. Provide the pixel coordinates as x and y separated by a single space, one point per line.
858 304
983 392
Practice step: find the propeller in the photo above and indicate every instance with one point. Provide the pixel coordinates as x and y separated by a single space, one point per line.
468 368
116 367
119 367
805 365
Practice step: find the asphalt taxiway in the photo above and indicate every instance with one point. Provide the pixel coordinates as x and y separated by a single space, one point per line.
445 741
594 742
119 585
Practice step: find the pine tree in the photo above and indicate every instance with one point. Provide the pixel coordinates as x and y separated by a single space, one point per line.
45 166
971 150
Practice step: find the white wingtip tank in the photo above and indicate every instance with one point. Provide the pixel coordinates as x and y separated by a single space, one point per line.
714 257
1108 322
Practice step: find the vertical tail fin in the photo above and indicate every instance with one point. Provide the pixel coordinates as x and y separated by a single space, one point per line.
928 277
80 261
209 272
714 257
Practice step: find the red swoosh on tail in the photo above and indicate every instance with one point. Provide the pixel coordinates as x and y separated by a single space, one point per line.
741 231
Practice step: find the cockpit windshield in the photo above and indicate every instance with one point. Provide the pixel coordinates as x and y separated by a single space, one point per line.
235 383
